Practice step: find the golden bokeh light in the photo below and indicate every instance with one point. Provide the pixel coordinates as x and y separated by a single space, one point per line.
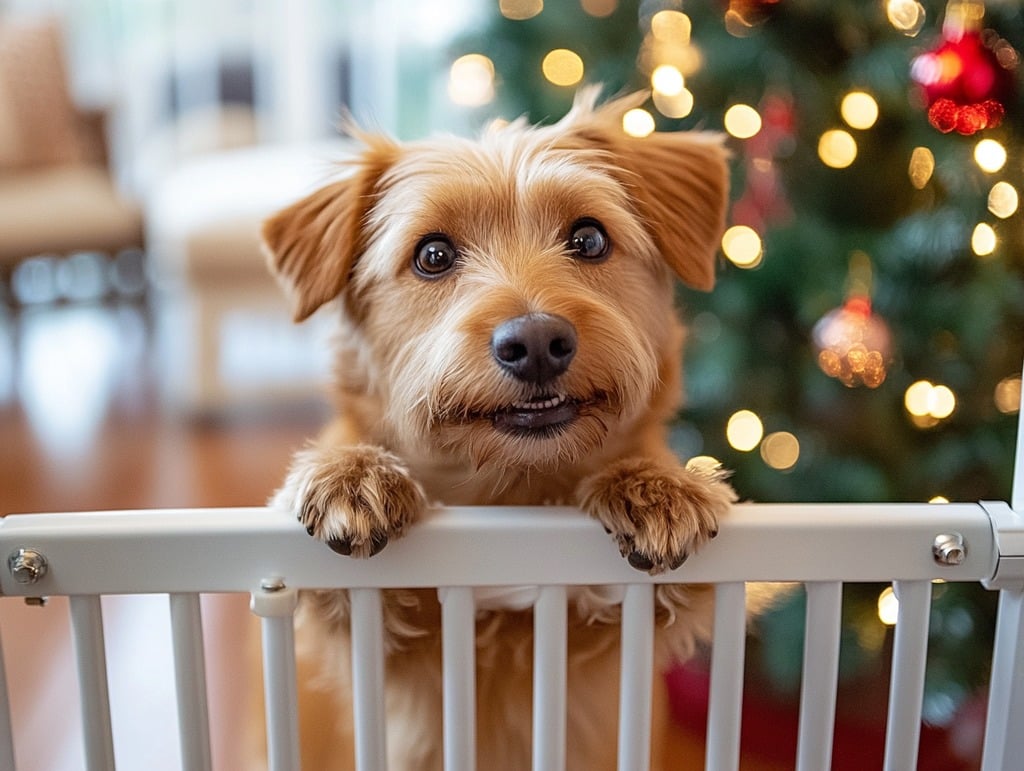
744 431
938 499
742 246
780 450
471 80
638 122
678 106
927 402
907 16
837 148
671 27
517 10
859 109
989 155
1003 200
1007 396
888 607
922 166
667 80
600 9
984 240
742 121
563 67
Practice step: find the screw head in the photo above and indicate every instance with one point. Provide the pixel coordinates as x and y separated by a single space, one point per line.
949 549
273 584
27 566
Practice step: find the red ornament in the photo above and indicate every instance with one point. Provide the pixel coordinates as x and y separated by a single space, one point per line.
854 344
967 79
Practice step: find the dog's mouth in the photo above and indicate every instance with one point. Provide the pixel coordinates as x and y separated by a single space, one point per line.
540 416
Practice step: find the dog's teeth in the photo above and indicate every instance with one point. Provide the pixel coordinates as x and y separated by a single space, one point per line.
545 404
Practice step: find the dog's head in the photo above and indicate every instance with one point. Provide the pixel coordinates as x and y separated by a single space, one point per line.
510 299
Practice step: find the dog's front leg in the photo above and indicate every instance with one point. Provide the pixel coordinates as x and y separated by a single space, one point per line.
354 498
658 513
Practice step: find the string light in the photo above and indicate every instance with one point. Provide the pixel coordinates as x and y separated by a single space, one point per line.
1007 395
888 607
938 499
837 148
928 403
671 27
638 122
780 450
922 166
678 106
471 80
983 239
517 10
667 80
742 246
600 8
1003 200
742 121
989 155
859 109
744 430
563 67
906 15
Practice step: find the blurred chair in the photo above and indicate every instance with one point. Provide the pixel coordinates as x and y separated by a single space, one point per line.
57 195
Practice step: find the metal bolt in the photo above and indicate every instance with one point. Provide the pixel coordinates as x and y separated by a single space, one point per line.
949 549
272 584
27 565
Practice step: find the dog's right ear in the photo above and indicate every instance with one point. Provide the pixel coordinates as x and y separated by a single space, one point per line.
312 245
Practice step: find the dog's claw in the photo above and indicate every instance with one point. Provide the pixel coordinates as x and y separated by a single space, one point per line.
341 546
378 540
678 561
640 561
311 530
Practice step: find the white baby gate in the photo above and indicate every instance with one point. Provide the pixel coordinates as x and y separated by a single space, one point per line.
184 553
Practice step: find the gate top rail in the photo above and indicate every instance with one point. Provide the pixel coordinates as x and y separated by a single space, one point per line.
234 549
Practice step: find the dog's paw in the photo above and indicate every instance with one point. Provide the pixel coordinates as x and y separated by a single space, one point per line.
658 514
354 499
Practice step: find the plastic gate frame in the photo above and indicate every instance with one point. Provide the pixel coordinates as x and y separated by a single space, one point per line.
183 553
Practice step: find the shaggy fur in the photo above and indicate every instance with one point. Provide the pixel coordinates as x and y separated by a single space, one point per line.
424 405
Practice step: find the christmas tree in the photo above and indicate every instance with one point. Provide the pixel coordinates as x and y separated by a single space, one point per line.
865 338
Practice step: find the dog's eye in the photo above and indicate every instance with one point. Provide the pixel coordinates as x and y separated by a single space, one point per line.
435 255
588 240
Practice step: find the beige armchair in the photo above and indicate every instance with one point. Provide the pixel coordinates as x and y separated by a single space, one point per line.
56 192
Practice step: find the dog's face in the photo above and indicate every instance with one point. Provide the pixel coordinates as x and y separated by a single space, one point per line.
511 298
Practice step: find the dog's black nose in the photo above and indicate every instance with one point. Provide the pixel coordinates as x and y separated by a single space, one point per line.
536 347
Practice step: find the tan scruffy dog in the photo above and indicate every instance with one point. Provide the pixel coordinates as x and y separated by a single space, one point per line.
508 337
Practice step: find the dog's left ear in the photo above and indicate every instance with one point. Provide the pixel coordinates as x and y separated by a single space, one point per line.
679 181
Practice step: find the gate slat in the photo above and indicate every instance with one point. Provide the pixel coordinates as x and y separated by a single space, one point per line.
906 688
6 732
368 679
727 657
87 628
459 662
276 604
635 679
820 676
550 648
190 682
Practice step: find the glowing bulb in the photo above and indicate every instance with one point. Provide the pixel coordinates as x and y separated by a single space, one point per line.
471 80
667 80
600 8
742 245
859 110
518 10
671 27
922 165
927 400
638 122
1007 396
943 402
837 149
938 499
888 607
780 450
1003 200
678 106
983 239
906 15
742 121
744 431
916 398
989 155
563 67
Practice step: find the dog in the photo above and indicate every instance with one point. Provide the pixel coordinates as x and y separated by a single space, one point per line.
508 336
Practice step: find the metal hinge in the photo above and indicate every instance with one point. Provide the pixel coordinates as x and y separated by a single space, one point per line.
1008 530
